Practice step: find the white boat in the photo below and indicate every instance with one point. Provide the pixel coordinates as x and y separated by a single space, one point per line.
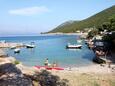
13 47
74 46
30 46
17 50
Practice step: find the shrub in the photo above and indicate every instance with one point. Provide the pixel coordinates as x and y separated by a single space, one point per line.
16 62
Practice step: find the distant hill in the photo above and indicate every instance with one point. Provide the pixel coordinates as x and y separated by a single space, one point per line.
95 20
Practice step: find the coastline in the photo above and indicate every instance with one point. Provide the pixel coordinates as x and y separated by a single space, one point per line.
77 76
9 45
93 68
59 33
96 68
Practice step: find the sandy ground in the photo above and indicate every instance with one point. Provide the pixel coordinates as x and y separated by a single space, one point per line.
75 78
94 75
96 68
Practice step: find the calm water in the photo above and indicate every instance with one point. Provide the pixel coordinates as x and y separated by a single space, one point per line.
53 48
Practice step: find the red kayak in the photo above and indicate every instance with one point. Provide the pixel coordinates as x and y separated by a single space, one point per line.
50 68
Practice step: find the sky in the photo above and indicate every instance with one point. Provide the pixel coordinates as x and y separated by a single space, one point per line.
31 17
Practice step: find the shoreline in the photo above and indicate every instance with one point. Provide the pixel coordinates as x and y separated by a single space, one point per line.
93 68
96 68
10 44
65 33
77 76
47 34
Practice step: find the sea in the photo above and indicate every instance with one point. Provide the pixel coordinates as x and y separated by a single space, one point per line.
52 47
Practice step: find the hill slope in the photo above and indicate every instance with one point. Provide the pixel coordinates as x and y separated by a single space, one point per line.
92 21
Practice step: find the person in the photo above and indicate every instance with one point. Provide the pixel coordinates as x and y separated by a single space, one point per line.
54 64
46 62
109 63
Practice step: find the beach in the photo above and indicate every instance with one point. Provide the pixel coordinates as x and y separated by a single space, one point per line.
94 75
91 75
88 78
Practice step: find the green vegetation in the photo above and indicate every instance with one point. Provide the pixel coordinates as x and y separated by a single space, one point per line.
16 62
107 27
92 33
95 20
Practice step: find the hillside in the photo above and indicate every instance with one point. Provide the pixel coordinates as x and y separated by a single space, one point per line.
92 21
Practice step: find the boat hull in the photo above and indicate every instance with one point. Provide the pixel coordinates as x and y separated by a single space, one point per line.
73 47
17 51
29 46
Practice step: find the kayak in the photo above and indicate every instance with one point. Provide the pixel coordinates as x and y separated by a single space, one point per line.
50 68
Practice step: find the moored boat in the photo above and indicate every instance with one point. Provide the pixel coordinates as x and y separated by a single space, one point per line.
30 46
74 46
13 47
17 50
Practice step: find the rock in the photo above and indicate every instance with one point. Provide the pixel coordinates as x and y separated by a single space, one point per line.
10 75
15 80
9 68
98 60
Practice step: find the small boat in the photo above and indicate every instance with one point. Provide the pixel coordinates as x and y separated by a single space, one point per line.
30 46
13 47
49 68
75 46
17 50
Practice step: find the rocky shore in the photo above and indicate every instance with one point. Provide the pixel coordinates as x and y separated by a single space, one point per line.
14 73
9 45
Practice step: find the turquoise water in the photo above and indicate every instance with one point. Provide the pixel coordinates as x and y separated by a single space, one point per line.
53 48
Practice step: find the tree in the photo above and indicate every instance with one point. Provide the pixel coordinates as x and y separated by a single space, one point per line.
92 33
112 22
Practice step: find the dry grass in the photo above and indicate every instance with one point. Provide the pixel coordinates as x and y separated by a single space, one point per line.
86 79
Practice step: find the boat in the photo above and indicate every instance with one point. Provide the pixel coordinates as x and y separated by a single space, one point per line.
17 50
49 68
74 46
13 47
30 46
